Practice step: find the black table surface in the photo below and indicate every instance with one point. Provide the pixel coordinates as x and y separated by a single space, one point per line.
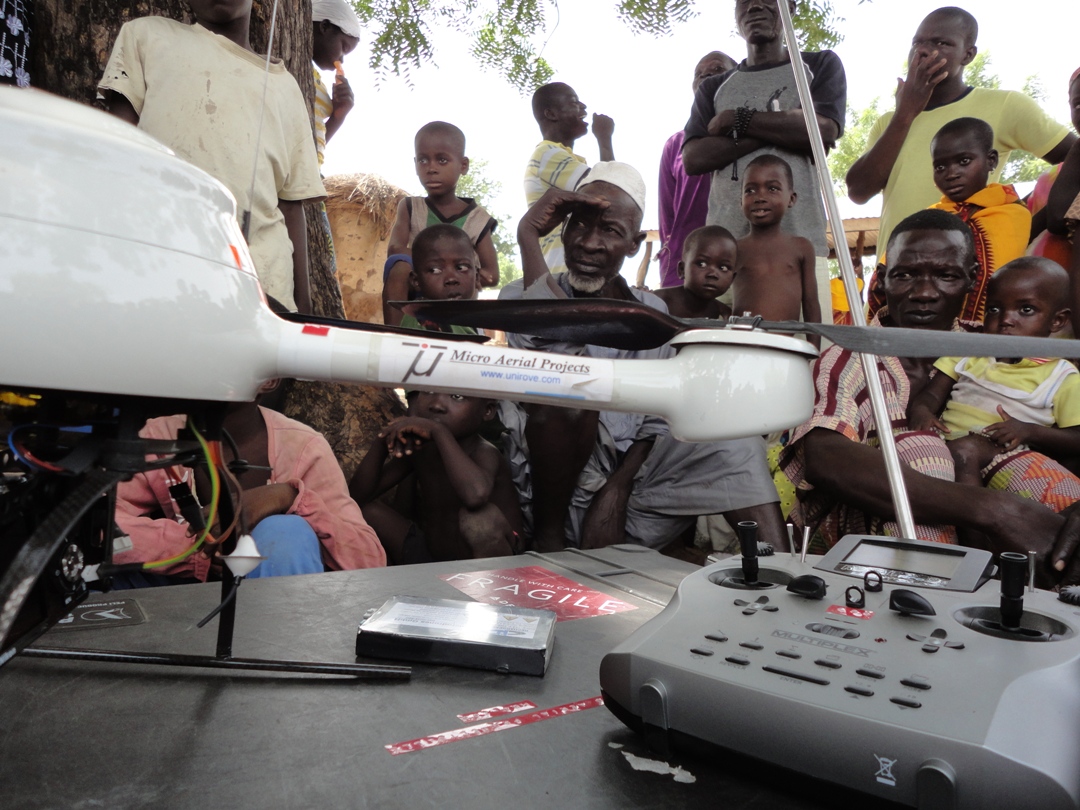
90 734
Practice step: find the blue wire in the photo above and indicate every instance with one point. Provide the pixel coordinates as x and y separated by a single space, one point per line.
19 456
27 462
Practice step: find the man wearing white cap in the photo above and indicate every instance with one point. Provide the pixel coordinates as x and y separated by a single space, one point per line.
593 479
335 32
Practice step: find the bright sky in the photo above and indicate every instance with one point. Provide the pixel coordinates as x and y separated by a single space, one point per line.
644 84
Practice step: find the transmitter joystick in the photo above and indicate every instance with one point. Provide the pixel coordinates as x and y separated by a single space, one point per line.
1009 621
749 576
747 531
1013 579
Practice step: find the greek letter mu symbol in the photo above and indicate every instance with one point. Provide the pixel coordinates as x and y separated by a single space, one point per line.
104 615
884 773
416 371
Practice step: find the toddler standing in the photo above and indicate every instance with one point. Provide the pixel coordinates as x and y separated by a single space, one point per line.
707 269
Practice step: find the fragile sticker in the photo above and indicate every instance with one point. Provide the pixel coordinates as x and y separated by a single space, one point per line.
481 729
496 711
534 586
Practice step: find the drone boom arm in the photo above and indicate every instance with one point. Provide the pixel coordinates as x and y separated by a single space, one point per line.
693 391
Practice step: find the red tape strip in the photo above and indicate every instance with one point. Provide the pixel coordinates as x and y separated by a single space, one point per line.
481 729
496 711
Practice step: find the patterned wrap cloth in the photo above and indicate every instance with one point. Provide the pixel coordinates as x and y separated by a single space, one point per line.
842 404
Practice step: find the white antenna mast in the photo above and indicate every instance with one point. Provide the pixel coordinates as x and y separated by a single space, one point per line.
245 219
851 288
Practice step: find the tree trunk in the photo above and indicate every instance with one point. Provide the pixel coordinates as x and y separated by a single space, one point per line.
69 47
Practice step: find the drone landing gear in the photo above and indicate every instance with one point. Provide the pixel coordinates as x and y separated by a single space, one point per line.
38 587
223 658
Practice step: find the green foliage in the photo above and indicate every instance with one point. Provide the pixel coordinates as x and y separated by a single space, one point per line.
508 270
815 25
478 185
978 74
401 41
853 144
504 43
506 33
503 35
655 17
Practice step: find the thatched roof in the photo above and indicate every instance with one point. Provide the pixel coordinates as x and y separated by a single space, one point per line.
375 197
861 232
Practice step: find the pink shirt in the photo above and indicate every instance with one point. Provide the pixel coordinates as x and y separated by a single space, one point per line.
299 456
684 205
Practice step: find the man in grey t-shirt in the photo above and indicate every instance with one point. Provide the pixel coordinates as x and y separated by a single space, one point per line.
755 110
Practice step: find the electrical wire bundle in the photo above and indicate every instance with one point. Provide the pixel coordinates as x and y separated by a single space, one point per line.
40 449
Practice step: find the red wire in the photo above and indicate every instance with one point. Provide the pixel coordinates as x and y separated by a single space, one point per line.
39 462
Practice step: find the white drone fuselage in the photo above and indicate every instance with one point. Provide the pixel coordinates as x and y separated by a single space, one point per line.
123 271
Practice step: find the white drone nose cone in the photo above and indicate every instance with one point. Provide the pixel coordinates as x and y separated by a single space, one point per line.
245 558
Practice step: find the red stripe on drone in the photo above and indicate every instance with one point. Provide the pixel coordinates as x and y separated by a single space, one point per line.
496 711
321 331
481 729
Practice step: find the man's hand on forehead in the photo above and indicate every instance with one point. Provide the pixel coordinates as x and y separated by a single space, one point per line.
554 207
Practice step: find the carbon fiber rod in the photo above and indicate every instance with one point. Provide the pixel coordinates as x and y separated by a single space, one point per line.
371 671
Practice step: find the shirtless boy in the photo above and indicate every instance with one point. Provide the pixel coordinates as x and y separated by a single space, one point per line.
464 502
775 271
707 269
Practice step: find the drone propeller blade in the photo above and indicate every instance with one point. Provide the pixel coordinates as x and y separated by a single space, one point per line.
932 343
363 326
633 326
627 325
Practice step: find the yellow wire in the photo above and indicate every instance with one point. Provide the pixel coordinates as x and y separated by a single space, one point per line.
215 493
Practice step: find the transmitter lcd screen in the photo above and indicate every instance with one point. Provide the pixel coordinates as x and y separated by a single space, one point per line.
917 563
913 561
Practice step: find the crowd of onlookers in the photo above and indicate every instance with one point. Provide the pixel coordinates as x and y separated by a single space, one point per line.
990 444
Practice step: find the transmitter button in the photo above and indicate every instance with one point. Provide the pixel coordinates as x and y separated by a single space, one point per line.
870 673
700 651
794 656
787 673
826 629
915 683
716 637
906 702
821 662
751 645
737 659
859 690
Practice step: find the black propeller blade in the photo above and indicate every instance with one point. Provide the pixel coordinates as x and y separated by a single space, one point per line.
362 326
633 326
625 325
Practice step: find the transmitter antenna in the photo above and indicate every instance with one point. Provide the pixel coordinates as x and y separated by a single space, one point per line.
847 272
245 218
